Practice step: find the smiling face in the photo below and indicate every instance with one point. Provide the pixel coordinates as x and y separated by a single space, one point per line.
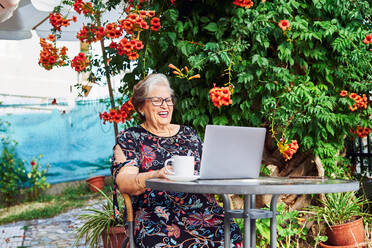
158 116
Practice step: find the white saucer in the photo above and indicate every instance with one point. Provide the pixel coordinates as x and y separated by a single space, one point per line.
182 178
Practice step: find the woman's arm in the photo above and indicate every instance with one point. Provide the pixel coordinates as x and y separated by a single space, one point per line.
128 178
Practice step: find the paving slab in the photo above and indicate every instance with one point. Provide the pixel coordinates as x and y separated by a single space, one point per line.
55 232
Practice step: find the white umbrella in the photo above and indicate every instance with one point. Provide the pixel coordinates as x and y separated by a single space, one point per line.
6 9
23 19
26 18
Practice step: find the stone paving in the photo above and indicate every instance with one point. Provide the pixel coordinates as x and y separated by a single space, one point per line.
55 232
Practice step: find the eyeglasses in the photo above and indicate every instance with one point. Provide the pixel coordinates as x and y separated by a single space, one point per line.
158 101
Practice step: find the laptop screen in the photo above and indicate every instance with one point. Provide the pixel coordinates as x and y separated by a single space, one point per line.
232 152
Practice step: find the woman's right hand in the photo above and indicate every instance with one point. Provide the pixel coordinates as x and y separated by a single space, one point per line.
162 173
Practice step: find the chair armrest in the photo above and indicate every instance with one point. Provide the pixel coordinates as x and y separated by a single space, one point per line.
128 206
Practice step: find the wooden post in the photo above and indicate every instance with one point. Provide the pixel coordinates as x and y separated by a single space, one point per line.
112 100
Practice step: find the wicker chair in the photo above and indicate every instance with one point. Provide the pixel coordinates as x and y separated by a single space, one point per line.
129 241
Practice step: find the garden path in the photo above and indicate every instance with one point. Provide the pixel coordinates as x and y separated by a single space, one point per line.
55 232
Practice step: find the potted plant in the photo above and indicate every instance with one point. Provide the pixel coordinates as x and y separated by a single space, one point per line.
101 223
343 213
95 182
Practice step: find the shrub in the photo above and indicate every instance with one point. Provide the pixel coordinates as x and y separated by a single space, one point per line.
287 62
12 170
37 178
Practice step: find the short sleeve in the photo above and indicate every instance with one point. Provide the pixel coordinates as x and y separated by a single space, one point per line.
130 147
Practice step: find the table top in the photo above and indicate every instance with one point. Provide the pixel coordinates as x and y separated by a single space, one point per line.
259 186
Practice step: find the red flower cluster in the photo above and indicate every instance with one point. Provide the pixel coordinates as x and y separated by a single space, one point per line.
361 131
292 149
118 115
360 101
86 8
220 96
284 25
243 3
155 24
136 22
51 55
80 62
91 33
112 31
130 48
33 163
51 37
57 21
368 39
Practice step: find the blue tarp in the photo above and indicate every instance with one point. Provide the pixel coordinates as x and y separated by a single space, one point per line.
75 144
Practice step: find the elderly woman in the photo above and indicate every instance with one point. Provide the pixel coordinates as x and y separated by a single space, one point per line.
164 219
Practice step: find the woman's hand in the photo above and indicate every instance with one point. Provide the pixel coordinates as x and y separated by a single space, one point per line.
162 173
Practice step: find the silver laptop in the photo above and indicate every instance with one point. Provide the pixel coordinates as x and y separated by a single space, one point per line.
232 152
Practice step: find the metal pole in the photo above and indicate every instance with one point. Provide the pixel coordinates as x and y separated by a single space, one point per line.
273 221
253 222
247 224
226 222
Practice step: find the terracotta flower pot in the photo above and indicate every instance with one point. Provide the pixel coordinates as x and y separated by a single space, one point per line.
347 235
116 238
96 181
342 246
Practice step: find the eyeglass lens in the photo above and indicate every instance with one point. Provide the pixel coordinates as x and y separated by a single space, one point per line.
158 101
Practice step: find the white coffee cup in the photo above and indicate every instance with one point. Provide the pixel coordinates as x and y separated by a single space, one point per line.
182 166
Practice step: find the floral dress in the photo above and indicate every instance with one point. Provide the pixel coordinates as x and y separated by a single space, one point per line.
166 218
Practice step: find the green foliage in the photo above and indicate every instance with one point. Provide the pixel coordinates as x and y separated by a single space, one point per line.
287 81
37 178
97 221
46 206
290 228
15 181
12 170
339 208
264 170
290 80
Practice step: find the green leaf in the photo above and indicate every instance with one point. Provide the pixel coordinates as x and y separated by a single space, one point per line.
220 120
330 129
212 27
172 36
204 19
179 27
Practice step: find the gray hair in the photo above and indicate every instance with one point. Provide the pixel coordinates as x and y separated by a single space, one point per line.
142 89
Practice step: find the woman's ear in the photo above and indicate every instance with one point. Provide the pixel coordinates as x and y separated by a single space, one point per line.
140 110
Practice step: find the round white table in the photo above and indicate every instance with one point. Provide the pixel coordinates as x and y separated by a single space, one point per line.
250 188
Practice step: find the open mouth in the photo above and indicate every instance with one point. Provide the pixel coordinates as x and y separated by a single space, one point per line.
163 114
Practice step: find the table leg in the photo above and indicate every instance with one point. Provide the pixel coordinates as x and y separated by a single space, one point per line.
253 221
273 221
247 224
226 221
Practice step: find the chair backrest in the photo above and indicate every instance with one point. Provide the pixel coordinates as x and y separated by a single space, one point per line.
130 219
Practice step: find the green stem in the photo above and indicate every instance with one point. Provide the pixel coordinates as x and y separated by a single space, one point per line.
144 56
226 50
